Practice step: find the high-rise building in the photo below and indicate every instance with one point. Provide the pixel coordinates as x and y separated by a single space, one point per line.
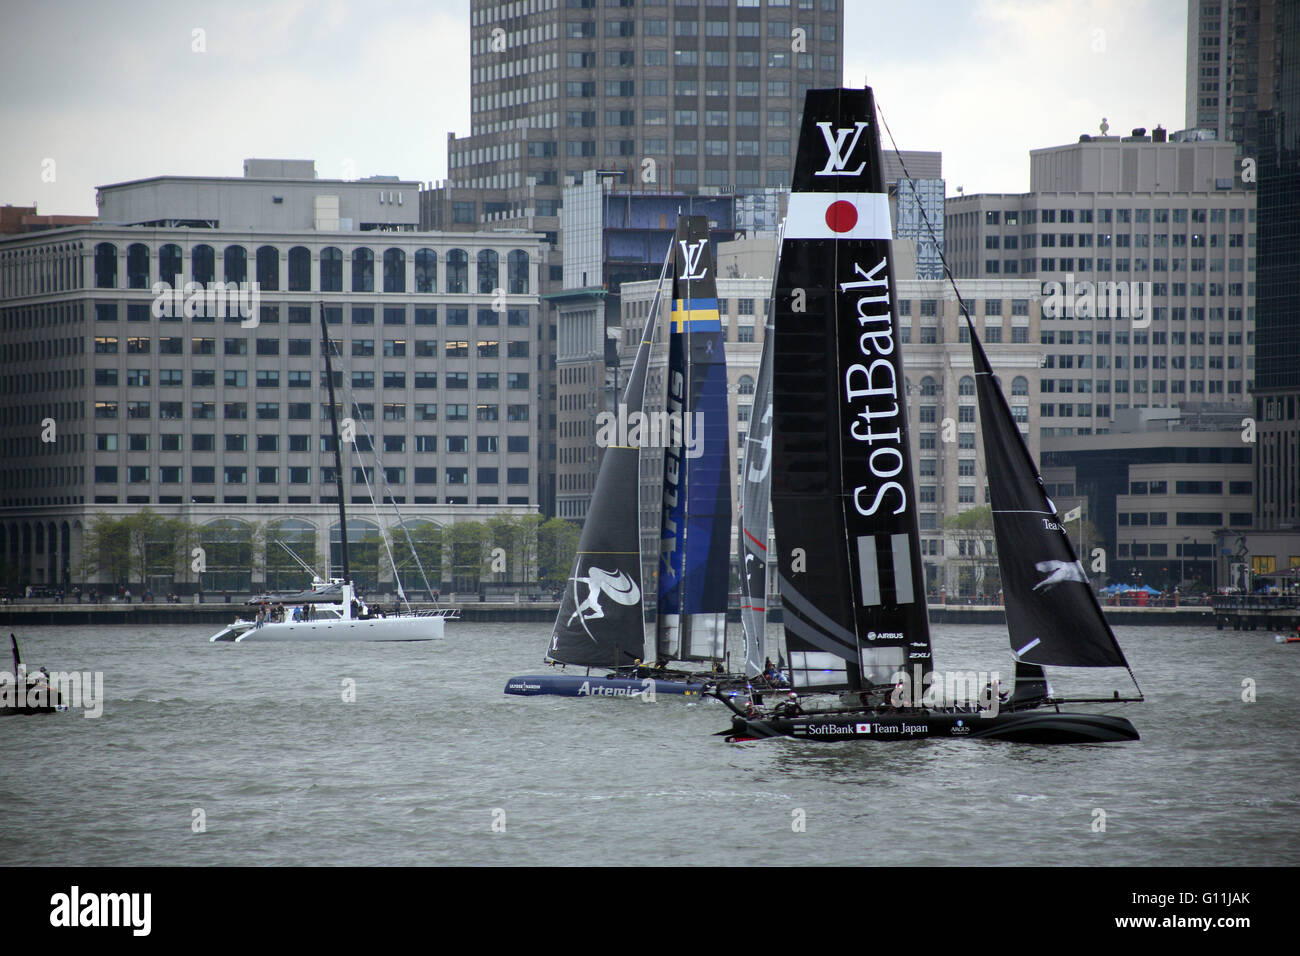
130 388
1277 345
1231 67
1145 249
667 97
916 204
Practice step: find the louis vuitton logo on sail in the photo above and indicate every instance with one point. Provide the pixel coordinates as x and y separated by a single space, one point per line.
837 156
692 253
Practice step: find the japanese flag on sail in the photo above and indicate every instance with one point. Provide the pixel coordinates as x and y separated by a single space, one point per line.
1072 515
838 216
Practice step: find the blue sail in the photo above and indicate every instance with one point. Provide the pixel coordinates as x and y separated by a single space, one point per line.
695 541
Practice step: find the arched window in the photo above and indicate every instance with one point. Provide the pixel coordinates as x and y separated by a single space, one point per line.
228 547
203 264
169 264
394 270
426 270
331 269
457 271
928 387
1020 385
282 571
299 269
137 266
105 266
746 385
487 270
517 272
363 270
966 386
363 551
236 264
268 269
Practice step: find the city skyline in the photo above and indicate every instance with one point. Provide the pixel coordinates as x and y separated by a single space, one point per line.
1054 69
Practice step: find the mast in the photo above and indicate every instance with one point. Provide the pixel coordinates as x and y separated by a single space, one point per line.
695 542
852 584
338 451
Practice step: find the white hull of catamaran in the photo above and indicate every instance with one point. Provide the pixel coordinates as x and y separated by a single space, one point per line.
422 628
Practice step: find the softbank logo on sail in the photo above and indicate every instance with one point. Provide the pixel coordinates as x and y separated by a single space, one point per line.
1100 300
216 300
947 689
651 430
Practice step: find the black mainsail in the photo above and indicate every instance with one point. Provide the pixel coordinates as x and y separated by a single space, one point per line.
852 585
695 541
1052 614
600 623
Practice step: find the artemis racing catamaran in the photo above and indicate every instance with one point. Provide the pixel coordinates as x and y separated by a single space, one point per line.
843 493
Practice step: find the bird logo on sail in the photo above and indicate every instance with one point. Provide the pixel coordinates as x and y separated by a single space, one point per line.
616 585
1058 572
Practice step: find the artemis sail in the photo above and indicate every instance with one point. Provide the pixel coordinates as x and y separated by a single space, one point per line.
600 623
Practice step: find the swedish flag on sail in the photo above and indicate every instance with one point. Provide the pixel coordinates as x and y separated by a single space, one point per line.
697 315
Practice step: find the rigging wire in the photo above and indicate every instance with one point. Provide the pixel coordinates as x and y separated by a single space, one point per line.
379 464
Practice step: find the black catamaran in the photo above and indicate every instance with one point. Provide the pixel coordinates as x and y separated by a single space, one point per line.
601 622
842 489
24 693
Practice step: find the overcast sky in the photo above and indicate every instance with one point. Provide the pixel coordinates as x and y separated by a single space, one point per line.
94 93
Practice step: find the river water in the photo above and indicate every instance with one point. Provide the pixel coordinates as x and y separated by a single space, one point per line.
256 746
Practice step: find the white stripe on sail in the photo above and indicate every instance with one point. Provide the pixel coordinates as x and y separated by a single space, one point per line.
904 593
1028 647
868 572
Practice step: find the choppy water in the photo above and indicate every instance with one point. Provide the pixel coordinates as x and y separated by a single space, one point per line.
431 752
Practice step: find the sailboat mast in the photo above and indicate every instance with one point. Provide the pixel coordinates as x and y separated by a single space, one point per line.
338 450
